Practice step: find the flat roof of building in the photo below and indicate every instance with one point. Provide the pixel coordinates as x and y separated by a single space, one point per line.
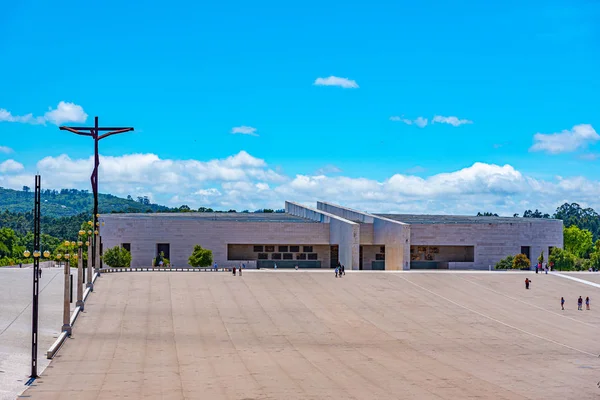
460 219
225 216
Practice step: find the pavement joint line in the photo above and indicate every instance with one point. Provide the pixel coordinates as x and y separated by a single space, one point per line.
529 304
500 322
594 284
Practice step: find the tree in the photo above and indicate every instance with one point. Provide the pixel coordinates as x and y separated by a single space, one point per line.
487 214
535 214
521 262
200 257
577 241
541 258
562 259
505 263
26 189
117 257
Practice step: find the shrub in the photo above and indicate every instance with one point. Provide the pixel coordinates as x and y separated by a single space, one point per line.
117 257
562 259
200 257
521 262
161 257
505 263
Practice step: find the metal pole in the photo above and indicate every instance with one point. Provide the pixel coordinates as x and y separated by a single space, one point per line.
66 305
36 276
90 257
80 279
70 288
97 252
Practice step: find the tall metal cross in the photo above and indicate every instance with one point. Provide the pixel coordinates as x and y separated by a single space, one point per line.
94 132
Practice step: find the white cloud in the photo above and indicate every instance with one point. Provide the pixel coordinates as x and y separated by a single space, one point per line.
64 112
11 166
419 121
336 81
243 181
5 150
454 121
580 136
328 169
244 130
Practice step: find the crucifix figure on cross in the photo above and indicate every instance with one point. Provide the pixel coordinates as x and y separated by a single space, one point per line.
94 132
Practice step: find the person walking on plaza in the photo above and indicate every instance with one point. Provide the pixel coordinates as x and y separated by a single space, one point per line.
580 303
343 270
587 303
39 272
240 272
336 271
234 270
562 303
527 281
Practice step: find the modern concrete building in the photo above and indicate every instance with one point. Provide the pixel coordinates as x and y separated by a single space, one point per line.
321 237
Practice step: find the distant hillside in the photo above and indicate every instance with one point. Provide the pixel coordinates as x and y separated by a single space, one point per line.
71 202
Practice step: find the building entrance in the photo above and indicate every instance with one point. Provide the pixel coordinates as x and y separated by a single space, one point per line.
335 256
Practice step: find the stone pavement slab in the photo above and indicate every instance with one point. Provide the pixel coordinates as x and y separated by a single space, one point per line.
308 335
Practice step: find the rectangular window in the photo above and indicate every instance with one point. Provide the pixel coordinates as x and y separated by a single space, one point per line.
269 249
263 256
283 249
380 257
276 256
307 249
313 256
126 246
288 256
258 249
301 256
294 249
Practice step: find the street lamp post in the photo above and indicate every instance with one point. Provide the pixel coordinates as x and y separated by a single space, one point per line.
80 272
66 327
90 257
94 132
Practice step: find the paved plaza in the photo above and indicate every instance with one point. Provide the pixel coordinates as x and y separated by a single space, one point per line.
307 335
15 324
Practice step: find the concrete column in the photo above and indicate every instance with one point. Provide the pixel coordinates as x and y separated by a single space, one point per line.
89 283
66 303
80 279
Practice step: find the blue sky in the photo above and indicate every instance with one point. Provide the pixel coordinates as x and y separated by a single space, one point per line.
185 74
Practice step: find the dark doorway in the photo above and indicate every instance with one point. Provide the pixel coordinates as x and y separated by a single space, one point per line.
525 250
360 258
335 256
126 246
163 248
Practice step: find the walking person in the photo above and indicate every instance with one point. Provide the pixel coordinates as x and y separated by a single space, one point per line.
336 271
562 303
240 272
343 270
527 281
234 270
587 303
580 304
39 272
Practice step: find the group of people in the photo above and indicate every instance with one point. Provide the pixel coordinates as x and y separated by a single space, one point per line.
340 270
579 303
543 267
235 269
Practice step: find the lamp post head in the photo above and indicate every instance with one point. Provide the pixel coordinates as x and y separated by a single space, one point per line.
90 223
36 254
58 256
80 243
89 232
67 256
87 242
46 254
81 233
96 231
26 253
67 243
73 244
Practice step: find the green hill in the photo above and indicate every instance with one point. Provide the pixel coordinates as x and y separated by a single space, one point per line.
71 202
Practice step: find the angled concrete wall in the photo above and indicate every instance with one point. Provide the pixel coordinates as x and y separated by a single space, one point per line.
394 235
344 233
